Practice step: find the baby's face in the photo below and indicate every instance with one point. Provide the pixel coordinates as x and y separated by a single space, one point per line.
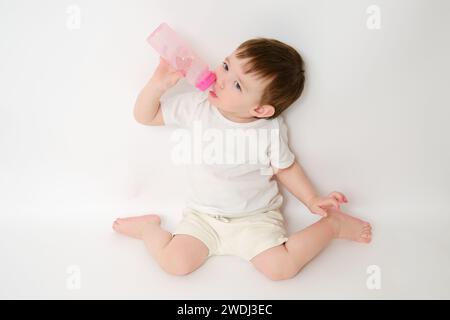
238 94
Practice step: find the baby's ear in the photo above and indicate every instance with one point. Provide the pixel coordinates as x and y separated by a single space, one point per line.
265 111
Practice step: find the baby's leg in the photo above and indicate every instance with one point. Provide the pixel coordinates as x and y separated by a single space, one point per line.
179 255
285 261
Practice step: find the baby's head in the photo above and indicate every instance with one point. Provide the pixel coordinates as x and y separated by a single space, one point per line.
260 79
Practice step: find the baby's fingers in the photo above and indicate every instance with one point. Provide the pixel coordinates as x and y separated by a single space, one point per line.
331 202
318 210
338 196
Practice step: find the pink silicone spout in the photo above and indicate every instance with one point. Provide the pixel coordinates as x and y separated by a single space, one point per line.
206 80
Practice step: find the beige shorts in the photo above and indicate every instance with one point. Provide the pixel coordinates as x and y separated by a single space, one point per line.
245 236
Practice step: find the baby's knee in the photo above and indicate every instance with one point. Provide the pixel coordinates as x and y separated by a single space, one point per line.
176 263
279 275
279 271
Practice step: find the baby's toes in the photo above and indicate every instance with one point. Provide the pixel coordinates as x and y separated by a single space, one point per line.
366 235
366 225
118 224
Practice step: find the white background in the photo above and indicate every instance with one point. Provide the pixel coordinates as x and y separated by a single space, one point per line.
372 123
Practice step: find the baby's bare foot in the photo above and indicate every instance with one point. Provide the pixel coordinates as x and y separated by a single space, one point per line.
348 227
134 226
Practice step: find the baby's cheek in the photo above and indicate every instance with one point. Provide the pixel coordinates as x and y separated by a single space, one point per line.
217 71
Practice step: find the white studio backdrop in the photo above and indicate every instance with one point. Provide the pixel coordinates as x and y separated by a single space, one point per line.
371 123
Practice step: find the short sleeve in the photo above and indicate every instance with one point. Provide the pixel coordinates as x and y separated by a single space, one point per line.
180 110
281 156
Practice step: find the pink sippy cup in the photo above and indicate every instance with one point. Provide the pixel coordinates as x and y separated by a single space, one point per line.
180 56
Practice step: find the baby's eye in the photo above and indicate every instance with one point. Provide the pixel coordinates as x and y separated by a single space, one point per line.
225 66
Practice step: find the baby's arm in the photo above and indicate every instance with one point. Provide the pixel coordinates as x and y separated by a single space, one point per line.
297 183
147 109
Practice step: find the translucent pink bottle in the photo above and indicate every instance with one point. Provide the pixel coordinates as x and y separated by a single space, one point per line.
181 57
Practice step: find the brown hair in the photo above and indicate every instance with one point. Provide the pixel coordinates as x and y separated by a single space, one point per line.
270 59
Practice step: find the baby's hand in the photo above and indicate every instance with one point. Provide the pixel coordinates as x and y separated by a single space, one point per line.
317 204
165 75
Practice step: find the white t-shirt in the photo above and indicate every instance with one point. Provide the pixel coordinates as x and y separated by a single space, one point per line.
230 165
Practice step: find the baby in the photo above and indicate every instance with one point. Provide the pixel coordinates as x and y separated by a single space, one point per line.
233 206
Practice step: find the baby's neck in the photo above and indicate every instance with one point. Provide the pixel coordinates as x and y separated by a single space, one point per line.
235 118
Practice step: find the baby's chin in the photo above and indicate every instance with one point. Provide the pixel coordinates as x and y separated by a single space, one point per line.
213 101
